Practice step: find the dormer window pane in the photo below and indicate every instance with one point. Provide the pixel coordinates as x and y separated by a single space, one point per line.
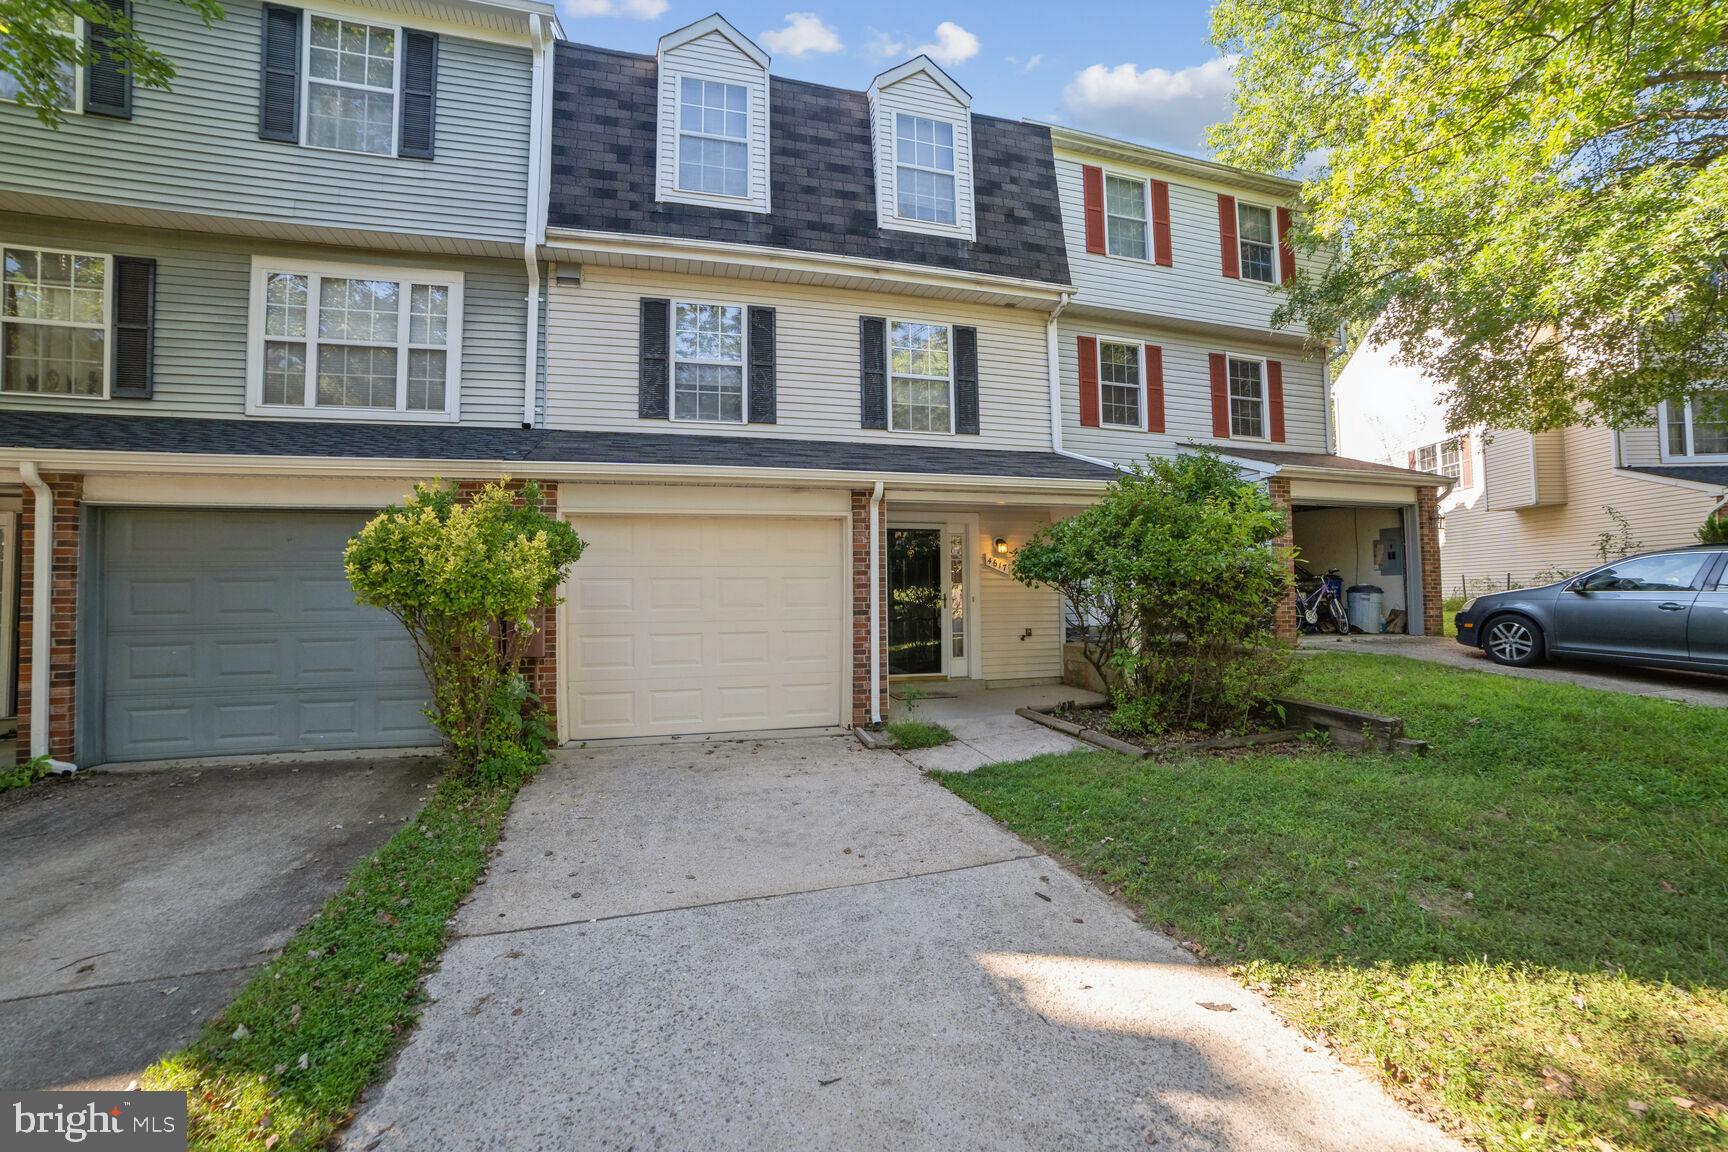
924 169
1254 236
713 135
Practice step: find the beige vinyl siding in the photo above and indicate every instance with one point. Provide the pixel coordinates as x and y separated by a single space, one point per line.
1007 608
1193 287
1479 543
592 359
195 148
1187 394
919 95
1641 447
712 57
201 318
1524 470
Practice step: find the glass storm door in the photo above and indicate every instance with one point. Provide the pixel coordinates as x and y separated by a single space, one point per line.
917 601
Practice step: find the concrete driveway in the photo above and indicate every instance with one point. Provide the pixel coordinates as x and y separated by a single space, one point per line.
137 902
801 944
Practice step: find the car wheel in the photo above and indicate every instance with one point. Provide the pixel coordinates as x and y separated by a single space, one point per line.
1513 640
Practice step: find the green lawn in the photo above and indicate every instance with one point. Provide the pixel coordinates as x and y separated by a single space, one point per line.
918 734
1525 933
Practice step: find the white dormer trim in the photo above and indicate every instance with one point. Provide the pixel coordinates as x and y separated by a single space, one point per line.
920 88
712 50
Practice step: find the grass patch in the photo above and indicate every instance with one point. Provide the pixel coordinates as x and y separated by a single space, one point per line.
1523 933
25 774
344 992
918 734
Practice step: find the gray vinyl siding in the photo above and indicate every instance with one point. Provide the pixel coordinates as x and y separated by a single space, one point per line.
1187 394
201 318
196 149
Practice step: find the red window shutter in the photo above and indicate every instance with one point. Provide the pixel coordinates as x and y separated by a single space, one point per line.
1088 349
1467 466
1286 254
1220 396
1275 398
1412 459
1154 388
1161 222
1227 247
1092 185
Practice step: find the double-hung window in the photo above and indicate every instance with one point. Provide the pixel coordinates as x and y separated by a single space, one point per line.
1442 457
360 342
713 137
1699 427
920 377
708 362
352 78
1125 216
1256 239
54 318
1119 383
1247 398
71 78
924 169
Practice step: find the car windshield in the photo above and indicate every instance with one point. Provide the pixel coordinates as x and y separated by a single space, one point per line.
1673 572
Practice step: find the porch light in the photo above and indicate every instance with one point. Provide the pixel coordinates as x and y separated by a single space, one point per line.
1001 546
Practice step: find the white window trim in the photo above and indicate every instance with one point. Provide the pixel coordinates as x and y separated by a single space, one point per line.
1669 457
1139 347
954 175
888 377
107 327
1147 249
1277 264
678 134
673 360
453 281
666 190
1265 436
77 37
306 81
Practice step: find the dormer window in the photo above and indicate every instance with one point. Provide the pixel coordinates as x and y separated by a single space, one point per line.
713 137
924 168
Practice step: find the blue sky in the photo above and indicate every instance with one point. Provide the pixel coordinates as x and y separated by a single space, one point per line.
1138 70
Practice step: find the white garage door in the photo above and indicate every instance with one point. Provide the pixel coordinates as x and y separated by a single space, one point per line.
679 625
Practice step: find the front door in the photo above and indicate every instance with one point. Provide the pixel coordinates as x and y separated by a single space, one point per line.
915 601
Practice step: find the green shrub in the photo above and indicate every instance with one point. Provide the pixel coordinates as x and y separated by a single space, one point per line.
466 579
24 774
1175 577
1714 530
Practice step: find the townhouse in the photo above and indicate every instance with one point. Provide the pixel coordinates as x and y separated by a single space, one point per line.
805 366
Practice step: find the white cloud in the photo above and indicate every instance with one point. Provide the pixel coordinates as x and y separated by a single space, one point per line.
804 33
1030 64
952 45
634 9
885 46
1169 108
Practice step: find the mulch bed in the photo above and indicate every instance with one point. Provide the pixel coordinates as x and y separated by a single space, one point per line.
1091 723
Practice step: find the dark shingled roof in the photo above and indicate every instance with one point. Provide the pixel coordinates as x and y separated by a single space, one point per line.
1703 473
823 176
511 446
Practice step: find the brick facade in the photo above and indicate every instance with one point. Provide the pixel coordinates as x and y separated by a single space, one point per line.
1284 619
861 605
68 489
540 666
1428 525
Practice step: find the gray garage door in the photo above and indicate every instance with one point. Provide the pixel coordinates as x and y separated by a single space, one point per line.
236 632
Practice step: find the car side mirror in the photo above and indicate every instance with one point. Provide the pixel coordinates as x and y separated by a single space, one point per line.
1577 586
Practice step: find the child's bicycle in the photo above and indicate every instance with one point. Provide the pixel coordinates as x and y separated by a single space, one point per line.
1320 602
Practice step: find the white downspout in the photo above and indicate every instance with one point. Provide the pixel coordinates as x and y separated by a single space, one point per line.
1326 398
875 605
41 612
539 142
1052 358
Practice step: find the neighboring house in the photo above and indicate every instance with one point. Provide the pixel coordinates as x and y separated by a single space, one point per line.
1528 508
1168 344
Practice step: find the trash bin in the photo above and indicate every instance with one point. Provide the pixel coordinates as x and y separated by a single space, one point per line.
1362 602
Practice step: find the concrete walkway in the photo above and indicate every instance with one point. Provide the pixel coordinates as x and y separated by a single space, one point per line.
1686 687
985 728
804 944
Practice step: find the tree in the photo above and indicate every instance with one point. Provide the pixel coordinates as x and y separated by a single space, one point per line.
1174 573
466 580
40 53
1531 198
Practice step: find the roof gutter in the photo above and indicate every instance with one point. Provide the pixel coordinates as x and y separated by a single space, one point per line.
534 227
41 606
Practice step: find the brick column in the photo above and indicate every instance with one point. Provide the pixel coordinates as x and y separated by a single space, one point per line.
68 489
1284 618
1428 524
861 605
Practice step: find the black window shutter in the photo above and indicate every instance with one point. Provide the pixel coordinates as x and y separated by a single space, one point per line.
419 94
762 366
279 86
966 381
655 357
107 81
872 372
134 308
